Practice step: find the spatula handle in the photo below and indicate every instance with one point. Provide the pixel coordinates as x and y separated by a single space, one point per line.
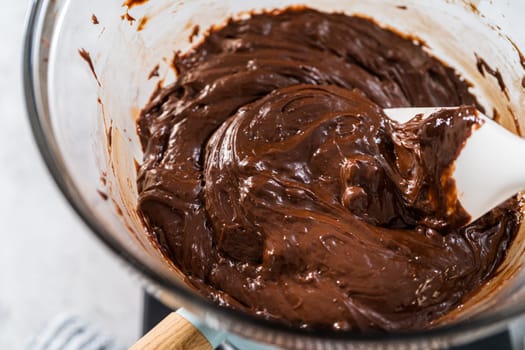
173 333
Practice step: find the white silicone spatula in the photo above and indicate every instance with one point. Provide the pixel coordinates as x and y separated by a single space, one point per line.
490 167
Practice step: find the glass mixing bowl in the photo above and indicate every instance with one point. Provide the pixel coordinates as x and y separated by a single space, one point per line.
85 128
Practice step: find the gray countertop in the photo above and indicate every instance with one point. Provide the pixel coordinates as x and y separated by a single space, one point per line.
49 261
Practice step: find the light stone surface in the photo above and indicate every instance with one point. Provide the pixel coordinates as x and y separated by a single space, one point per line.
49 260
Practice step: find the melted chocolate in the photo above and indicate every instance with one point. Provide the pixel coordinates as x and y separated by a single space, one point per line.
518 51
154 72
87 57
194 33
128 17
132 3
94 19
273 180
483 67
142 23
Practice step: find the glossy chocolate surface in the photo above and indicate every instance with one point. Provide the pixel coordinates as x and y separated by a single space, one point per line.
273 179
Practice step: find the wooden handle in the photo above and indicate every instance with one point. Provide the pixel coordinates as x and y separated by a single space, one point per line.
173 333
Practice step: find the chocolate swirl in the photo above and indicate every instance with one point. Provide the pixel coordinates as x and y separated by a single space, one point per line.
273 179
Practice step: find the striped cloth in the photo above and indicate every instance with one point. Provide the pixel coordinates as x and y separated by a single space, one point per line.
68 332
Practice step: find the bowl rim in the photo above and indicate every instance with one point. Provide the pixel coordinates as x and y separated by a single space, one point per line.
31 91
